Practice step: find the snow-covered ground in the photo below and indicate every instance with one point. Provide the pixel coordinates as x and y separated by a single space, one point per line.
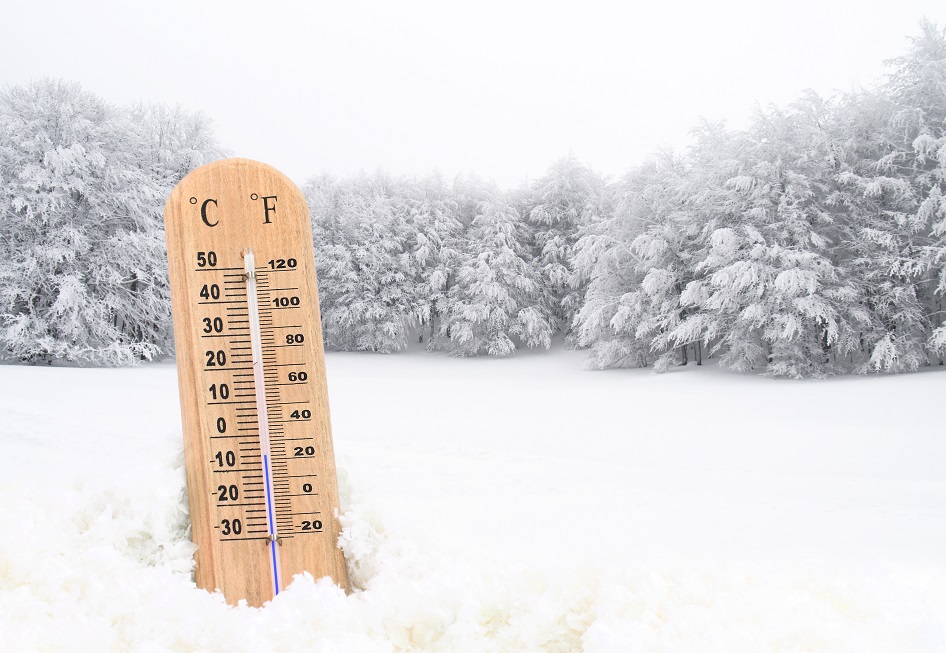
501 505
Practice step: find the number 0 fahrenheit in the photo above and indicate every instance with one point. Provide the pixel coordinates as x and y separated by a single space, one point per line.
259 378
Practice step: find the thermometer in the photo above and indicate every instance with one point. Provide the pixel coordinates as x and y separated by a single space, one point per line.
261 479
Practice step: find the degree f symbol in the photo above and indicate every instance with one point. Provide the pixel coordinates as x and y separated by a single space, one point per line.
269 206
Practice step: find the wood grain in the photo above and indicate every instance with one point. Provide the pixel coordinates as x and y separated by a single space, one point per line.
225 207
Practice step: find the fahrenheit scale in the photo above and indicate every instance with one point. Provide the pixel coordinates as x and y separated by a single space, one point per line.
260 466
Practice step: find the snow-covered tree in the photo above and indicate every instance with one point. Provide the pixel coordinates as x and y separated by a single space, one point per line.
82 189
496 303
432 249
172 141
877 244
890 187
615 257
773 297
672 226
918 89
568 197
366 284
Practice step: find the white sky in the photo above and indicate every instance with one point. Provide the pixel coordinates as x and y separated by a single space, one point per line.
501 89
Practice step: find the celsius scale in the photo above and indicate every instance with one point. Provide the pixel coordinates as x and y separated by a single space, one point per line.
261 479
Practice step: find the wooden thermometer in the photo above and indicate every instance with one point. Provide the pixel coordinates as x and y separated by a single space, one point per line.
261 477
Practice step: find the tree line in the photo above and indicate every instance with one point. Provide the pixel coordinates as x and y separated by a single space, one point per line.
810 243
83 268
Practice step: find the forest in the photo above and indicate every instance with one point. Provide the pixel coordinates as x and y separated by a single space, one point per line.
810 243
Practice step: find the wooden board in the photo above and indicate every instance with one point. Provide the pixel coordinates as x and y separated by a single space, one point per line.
236 499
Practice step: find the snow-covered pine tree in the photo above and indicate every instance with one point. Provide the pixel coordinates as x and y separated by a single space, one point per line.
495 303
366 281
568 197
614 304
82 187
674 245
432 249
871 239
890 184
469 192
918 90
671 228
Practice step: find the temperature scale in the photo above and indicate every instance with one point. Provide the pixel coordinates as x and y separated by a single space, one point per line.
260 467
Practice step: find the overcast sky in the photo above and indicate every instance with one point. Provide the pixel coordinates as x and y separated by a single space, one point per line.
501 89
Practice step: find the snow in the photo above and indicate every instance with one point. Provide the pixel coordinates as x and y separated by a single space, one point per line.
518 504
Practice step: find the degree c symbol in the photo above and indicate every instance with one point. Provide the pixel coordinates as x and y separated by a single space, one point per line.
203 213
